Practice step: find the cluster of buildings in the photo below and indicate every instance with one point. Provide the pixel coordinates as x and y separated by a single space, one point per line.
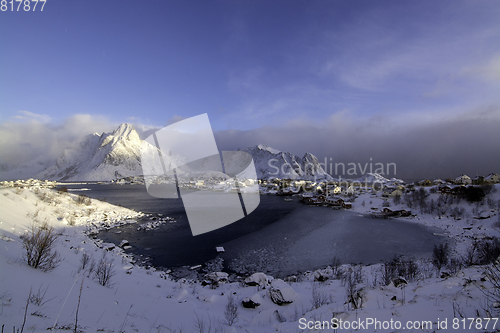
338 194
492 178
25 183
216 184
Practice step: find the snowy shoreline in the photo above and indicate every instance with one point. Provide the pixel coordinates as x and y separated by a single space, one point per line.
141 299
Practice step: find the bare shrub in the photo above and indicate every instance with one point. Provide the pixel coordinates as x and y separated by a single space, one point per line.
357 273
104 271
488 250
406 268
33 215
38 297
71 220
83 200
411 269
39 244
457 212
492 273
319 298
355 295
336 263
84 261
469 257
455 265
46 196
231 311
440 255
205 326
389 271
279 316
91 268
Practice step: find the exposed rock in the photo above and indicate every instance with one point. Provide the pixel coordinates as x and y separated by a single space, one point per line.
322 275
281 293
249 303
214 278
399 281
257 279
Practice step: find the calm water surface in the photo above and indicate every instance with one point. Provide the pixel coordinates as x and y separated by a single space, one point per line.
278 237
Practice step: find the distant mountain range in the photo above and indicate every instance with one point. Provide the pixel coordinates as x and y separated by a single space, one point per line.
108 156
272 163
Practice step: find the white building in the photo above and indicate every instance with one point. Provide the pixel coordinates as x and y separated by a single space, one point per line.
492 178
463 180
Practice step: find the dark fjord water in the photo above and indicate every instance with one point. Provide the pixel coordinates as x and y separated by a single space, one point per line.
278 237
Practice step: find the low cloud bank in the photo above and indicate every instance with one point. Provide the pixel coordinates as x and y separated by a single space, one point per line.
419 146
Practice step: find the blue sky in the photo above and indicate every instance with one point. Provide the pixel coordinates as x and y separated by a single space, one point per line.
251 64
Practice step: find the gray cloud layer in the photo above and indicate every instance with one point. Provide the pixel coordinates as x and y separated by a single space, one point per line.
421 146
469 143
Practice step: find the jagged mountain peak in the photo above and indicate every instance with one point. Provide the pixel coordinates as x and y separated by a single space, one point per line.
372 177
273 163
269 149
126 131
100 157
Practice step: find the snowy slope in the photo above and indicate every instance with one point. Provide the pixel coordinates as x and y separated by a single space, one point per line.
370 178
272 163
100 157
145 300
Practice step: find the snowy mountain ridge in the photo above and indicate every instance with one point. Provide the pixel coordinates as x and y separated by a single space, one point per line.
100 157
371 178
108 156
272 163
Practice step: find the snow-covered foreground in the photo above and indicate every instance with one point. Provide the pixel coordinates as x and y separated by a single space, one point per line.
145 300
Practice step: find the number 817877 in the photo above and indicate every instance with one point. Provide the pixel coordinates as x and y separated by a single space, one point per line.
21 5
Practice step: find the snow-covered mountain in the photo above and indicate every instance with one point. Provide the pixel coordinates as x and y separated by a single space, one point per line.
371 178
272 163
100 157
108 156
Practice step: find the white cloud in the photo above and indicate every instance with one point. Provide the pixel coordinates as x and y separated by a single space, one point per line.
26 115
34 137
174 119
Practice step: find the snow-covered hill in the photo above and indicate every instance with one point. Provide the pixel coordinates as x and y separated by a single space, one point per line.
143 299
272 163
100 157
